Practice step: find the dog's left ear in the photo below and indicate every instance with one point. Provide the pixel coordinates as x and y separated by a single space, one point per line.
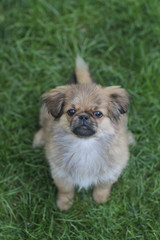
117 102
54 100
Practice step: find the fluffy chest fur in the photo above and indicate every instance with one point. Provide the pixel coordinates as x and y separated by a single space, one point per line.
85 162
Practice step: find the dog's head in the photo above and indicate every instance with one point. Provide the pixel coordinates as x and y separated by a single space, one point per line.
84 109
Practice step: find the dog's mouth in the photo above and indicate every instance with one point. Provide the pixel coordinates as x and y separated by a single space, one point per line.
83 131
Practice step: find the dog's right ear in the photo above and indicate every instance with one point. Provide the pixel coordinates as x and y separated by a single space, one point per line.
54 100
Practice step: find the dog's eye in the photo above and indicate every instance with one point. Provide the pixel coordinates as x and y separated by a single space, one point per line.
98 114
71 112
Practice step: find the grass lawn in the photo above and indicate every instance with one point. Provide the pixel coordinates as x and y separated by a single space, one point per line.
39 41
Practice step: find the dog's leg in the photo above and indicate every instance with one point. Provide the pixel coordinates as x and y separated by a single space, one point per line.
101 192
131 139
39 137
65 194
38 140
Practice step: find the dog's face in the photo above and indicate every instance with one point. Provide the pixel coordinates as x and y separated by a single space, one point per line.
84 109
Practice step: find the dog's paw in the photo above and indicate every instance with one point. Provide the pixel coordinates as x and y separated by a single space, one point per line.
64 201
101 195
38 140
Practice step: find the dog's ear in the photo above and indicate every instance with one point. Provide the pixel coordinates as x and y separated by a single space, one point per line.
54 100
117 102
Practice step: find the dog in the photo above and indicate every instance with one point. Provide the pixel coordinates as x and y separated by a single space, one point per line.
83 130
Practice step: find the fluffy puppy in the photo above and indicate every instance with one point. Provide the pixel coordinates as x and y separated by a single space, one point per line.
83 129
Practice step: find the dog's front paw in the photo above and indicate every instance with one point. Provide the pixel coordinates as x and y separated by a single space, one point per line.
64 201
101 195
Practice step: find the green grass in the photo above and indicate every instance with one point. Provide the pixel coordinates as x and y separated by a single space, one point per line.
39 41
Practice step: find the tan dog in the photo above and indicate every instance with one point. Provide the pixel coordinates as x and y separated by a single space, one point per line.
85 137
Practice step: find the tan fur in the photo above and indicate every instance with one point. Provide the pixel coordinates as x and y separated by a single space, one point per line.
96 160
82 71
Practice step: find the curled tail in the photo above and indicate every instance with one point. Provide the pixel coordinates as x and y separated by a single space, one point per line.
82 73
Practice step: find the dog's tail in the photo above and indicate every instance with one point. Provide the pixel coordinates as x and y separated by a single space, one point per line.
82 73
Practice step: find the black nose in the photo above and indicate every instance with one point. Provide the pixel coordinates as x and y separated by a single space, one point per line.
83 117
